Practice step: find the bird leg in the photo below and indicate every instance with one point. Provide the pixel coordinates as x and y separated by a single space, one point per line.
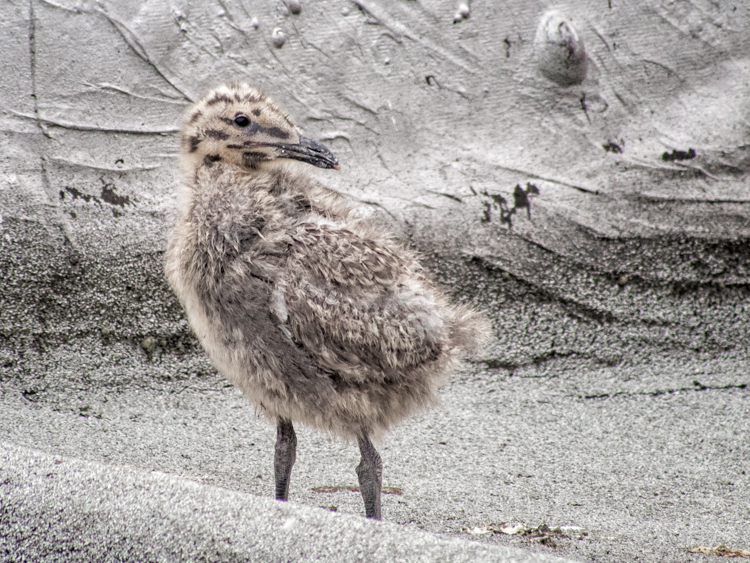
370 473
286 454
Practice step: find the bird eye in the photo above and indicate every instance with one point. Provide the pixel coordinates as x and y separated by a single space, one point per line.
242 121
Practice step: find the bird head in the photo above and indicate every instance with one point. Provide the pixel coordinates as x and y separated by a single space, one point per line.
237 124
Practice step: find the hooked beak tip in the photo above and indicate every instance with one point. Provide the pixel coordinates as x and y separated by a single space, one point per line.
337 167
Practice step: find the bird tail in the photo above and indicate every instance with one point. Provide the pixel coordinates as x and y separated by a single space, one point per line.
471 330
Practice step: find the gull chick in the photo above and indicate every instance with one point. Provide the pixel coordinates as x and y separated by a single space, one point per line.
317 314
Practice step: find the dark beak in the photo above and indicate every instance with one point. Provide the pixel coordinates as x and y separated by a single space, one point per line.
309 151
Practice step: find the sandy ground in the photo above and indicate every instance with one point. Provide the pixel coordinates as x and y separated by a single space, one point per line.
643 462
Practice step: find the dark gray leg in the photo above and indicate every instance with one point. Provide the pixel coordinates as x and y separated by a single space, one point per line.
370 473
286 454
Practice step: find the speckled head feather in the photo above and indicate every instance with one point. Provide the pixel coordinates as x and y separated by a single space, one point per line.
240 125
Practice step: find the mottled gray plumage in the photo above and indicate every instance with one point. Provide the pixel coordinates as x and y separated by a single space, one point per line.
315 313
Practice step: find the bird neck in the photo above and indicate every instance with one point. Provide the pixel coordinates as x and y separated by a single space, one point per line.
202 175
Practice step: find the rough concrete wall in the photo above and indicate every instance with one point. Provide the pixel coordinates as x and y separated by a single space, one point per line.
581 173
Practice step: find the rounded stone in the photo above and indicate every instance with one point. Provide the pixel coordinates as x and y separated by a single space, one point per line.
294 6
278 38
148 344
560 51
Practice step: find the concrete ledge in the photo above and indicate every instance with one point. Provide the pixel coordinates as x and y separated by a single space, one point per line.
62 509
